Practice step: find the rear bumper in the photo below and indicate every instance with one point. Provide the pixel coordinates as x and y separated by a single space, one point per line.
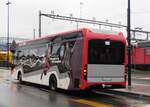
103 85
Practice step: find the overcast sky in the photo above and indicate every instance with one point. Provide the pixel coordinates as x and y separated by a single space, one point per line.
24 14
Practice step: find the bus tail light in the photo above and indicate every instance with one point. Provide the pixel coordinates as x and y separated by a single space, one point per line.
85 72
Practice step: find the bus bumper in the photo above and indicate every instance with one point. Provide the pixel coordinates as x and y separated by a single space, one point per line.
114 85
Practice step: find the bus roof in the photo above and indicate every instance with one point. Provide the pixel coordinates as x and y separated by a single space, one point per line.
52 35
77 30
105 31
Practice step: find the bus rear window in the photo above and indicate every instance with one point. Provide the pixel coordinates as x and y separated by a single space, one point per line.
106 52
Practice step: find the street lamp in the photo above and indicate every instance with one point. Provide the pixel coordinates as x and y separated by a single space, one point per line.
81 3
8 3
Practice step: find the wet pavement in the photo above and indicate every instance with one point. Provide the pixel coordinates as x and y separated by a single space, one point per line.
141 77
140 84
13 94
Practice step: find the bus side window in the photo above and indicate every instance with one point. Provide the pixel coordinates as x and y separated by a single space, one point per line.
55 50
49 49
62 49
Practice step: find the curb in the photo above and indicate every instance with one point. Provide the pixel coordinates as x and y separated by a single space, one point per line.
129 94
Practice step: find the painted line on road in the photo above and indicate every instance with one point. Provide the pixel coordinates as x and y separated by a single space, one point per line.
142 78
141 84
91 103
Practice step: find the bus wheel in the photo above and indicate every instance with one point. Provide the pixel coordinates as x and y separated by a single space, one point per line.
20 77
53 82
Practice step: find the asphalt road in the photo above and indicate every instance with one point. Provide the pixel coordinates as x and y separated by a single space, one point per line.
13 94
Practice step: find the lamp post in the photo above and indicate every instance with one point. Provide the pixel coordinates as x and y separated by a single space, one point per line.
34 33
8 3
81 3
129 43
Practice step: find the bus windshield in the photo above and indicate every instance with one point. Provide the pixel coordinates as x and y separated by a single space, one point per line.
105 52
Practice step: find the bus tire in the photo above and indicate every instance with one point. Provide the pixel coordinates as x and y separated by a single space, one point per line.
53 82
20 77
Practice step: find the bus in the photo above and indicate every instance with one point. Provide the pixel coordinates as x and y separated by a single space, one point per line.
75 60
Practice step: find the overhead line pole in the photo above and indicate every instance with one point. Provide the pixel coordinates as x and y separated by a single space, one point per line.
40 24
129 43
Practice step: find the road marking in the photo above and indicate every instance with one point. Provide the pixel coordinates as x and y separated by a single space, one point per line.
145 78
142 78
141 84
91 103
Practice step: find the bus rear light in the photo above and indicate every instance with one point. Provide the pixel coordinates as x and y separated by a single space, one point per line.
85 72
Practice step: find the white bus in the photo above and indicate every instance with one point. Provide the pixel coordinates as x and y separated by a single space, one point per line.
75 60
